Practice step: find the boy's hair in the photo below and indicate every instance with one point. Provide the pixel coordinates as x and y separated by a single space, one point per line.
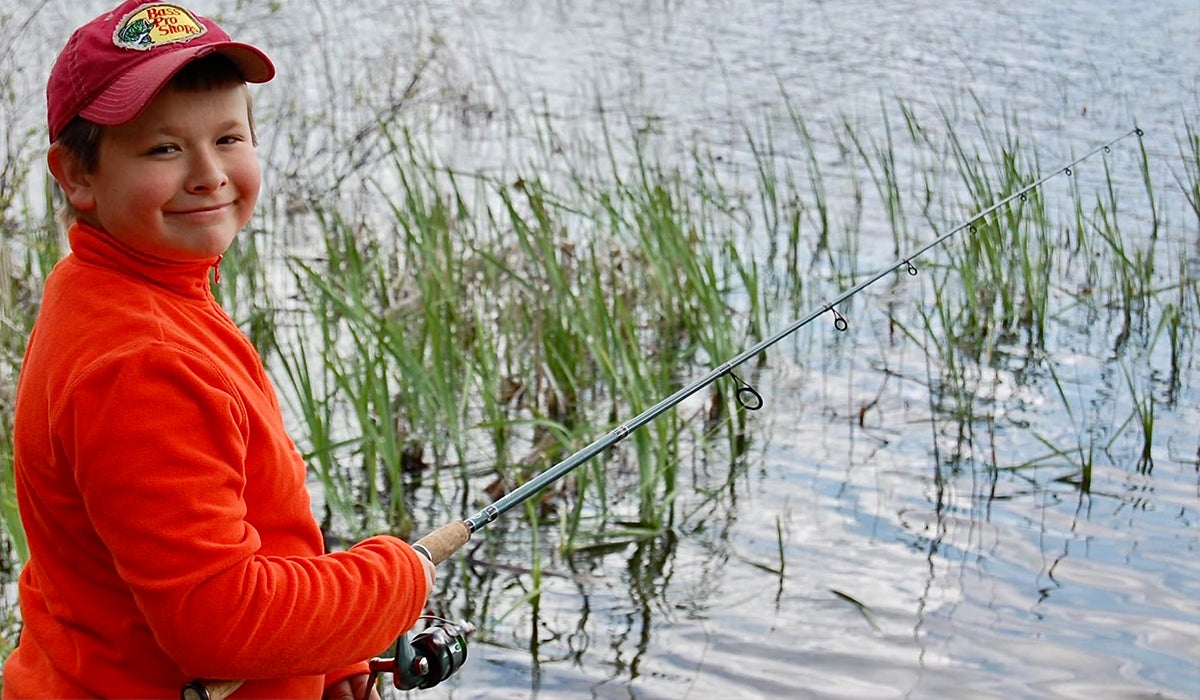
80 139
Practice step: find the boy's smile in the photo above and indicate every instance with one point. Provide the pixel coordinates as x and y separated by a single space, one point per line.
180 180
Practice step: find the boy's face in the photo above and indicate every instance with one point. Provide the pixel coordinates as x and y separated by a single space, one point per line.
180 180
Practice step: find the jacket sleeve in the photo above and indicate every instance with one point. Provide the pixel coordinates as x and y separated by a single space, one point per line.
159 443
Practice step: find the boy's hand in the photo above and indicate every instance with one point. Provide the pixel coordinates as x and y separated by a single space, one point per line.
430 571
352 688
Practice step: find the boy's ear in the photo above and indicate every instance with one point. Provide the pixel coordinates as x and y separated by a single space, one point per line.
75 182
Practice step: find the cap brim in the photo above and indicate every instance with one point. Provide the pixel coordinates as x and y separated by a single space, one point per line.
129 94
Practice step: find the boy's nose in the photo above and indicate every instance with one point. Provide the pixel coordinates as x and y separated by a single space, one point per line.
206 173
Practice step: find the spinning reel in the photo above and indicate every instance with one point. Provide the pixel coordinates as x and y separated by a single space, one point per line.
430 657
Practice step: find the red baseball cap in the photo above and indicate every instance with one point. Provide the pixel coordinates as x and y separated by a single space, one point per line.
113 66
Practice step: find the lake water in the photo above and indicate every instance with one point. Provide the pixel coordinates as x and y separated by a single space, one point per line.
908 571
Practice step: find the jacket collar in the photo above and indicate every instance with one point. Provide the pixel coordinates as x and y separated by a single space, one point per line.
97 247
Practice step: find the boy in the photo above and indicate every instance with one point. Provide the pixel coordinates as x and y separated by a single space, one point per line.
166 511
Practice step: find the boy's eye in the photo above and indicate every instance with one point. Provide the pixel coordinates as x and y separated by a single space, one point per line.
163 149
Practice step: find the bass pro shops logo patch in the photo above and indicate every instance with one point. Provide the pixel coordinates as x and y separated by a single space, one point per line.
156 25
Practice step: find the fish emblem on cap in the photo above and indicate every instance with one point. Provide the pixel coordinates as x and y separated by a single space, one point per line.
155 25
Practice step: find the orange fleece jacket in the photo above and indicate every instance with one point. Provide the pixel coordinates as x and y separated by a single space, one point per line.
169 524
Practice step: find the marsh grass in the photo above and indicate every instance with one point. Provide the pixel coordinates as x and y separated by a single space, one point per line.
1188 180
495 340
1084 265
466 331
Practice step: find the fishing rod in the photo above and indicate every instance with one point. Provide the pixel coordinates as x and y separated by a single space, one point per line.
448 538
435 653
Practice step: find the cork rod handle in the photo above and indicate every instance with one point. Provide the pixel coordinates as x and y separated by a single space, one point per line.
209 690
444 541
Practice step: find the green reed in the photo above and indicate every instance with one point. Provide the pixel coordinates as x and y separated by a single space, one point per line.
1143 417
1189 157
878 158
